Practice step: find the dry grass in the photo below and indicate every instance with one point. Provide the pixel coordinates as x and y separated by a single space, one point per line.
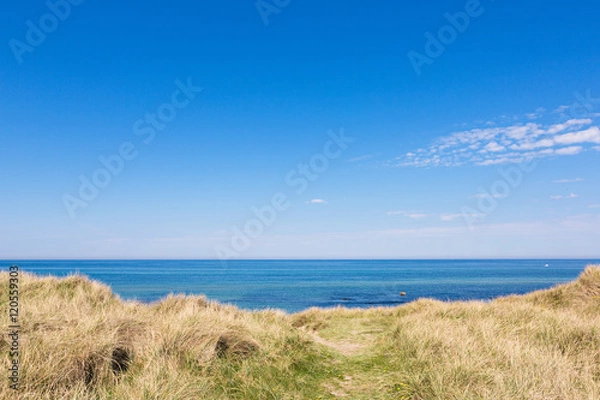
79 341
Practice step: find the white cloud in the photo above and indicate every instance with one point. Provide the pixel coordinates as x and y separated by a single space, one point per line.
502 160
594 206
561 197
568 180
521 131
554 129
591 135
317 201
494 147
509 144
533 145
417 216
450 217
569 151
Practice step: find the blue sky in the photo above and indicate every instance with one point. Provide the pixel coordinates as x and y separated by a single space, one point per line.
288 129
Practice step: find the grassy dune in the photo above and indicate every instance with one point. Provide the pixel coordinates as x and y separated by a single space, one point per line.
80 341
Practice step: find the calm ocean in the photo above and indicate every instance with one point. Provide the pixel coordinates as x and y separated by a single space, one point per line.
299 284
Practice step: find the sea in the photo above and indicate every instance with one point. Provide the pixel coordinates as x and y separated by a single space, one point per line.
295 285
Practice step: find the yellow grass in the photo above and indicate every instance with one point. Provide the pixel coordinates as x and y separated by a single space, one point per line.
80 341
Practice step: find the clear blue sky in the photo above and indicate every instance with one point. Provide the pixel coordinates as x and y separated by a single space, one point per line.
433 123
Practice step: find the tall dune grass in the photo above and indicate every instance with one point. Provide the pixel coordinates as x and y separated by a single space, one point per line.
80 341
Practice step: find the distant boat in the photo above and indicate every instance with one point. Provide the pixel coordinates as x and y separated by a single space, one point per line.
546 265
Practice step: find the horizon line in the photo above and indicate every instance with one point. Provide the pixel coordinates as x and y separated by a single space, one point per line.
299 259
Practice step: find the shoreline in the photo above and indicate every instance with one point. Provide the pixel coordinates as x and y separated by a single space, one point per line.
299 285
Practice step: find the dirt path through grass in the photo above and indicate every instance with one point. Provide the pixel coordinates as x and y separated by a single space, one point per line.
345 347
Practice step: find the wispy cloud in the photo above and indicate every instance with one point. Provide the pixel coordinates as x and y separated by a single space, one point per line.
577 224
489 195
561 197
561 109
408 214
450 217
513 143
569 151
539 113
317 201
594 206
569 180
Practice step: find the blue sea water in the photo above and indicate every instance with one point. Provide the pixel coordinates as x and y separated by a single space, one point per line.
294 285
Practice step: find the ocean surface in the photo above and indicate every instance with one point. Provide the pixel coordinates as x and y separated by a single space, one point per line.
299 284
